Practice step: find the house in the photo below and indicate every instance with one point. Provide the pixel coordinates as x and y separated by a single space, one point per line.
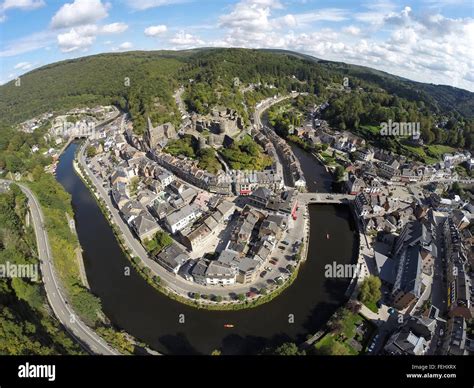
456 340
362 204
247 268
196 237
385 267
260 197
244 226
199 272
130 210
413 338
414 252
225 209
219 273
365 154
355 185
181 218
270 228
172 258
389 170
165 178
408 282
119 175
145 226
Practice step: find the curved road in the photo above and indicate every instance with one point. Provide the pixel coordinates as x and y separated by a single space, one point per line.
88 339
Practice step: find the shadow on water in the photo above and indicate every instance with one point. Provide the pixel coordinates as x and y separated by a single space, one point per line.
134 306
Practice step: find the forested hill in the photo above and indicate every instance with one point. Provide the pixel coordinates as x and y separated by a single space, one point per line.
143 83
442 98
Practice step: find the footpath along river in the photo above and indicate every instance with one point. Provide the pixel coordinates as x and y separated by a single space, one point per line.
131 304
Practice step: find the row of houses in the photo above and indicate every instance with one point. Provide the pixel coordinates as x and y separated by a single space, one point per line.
200 233
252 240
288 157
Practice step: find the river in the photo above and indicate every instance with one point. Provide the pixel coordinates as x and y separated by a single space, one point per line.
133 305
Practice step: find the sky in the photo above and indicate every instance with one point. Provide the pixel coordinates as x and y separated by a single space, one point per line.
427 40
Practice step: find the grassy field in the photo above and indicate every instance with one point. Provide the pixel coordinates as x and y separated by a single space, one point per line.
340 343
374 130
420 153
439 149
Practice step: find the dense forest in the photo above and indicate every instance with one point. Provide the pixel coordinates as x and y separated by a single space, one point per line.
26 321
143 84
26 324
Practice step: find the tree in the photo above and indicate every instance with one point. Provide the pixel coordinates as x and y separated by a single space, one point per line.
289 349
241 297
28 292
339 173
91 152
369 291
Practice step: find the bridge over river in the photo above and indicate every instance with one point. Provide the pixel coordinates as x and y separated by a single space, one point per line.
310 198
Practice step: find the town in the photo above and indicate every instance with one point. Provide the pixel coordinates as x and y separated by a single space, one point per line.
238 235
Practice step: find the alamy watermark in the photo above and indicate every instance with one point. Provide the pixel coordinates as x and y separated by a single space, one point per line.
12 270
400 128
335 270
81 128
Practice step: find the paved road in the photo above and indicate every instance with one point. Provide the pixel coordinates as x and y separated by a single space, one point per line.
309 198
175 282
78 329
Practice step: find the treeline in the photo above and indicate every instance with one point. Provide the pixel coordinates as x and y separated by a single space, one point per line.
217 76
22 298
26 324
353 110
142 83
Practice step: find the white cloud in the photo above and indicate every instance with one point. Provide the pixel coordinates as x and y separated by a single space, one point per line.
184 39
77 38
427 47
323 15
141 5
155 30
126 46
250 15
23 66
24 5
114 28
351 30
28 43
80 12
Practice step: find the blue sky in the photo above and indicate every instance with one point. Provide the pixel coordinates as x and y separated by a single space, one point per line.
426 40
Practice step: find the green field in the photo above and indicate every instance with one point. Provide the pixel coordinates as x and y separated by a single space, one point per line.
440 149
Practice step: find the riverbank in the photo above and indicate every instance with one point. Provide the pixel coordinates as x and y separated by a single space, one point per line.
175 328
205 301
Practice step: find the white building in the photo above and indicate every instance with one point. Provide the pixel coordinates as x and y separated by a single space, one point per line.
166 178
183 217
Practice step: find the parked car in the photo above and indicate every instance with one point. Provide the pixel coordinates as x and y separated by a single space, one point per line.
263 273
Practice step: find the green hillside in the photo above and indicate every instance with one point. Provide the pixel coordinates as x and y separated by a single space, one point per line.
143 84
